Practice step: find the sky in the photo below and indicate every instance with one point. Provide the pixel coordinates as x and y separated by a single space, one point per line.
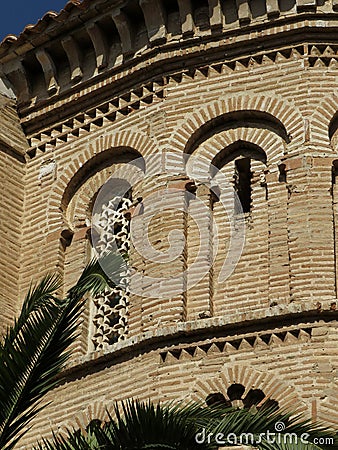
16 14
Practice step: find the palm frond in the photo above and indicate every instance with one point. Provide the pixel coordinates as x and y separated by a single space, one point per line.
74 441
147 426
38 296
34 350
29 368
140 425
244 422
143 425
97 275
92 438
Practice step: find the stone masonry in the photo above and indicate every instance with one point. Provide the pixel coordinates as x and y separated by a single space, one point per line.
112 87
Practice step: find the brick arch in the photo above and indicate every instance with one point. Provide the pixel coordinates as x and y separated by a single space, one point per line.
102 148
267 140
208 151
283 116
97 410
324 122
329 407
232 151
99 162
79 205
250 378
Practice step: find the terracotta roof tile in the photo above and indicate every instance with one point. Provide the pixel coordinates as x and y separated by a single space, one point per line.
42 24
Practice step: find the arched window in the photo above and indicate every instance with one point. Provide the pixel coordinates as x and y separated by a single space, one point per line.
242 183
242 162
240 152
94 205
235 391
111 232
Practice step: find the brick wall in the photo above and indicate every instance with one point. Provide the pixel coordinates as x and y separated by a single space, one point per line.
12 147
291 366
12 192
271 324
288 254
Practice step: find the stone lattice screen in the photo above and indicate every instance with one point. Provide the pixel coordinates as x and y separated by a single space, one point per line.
111 309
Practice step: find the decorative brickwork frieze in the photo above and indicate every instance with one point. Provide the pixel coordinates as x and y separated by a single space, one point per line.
232 345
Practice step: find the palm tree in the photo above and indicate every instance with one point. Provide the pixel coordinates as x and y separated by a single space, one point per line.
273 429
33 351
141 426
36 348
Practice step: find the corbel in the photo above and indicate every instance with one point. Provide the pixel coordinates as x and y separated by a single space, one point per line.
186 16
155 20
272 8
125 30
100 45
18 78
306 5
49 70
216 14
243 11
74 57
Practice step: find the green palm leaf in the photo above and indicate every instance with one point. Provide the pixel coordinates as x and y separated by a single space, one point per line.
30 366
141 426
97 275
33 351
254 426
138 425
38 297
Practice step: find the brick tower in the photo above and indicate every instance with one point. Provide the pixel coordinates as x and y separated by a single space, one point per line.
169 107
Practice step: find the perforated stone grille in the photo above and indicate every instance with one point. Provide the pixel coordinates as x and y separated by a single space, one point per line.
110 317
239 396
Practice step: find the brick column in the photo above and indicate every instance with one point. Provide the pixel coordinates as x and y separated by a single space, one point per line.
310 228
74 258
334 191
200 255
279 269
156 234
